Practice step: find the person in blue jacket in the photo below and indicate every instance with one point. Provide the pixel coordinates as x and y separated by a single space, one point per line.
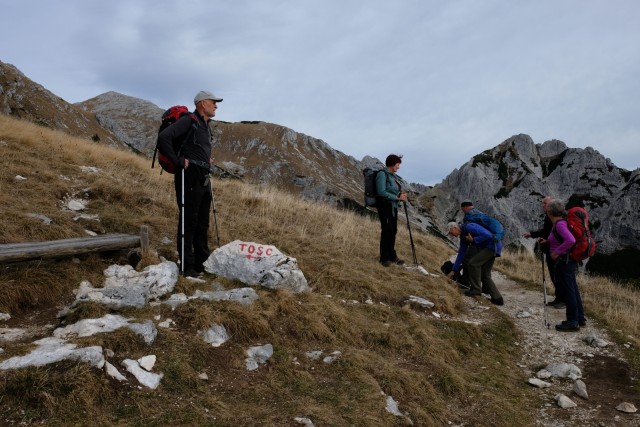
478 251
389 195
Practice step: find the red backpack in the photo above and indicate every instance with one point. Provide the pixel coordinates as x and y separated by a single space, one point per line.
169 117
578 223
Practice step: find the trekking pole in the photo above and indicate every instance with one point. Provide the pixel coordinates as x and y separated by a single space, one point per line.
182 223
213 209
413 248
544 287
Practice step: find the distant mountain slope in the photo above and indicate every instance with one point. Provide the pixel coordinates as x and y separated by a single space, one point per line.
23 98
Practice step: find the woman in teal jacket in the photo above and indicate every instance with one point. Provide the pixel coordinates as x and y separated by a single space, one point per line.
390 195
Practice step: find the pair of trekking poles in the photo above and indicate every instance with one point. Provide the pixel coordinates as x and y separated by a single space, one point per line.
213 208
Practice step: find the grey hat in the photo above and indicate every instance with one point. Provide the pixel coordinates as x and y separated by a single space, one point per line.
451 226
203 94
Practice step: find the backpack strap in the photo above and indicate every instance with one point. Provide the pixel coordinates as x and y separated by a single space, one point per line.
555 232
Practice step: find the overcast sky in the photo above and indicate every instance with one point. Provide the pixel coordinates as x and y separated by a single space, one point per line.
438 81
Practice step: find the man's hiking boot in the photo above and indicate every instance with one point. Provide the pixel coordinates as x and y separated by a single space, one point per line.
559 305
568 326
191 273
398 261
555 302
386 263
472 293
582 322
497 301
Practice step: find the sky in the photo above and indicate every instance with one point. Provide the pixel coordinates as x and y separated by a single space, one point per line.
437 81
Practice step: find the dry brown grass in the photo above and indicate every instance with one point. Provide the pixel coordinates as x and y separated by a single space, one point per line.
433 368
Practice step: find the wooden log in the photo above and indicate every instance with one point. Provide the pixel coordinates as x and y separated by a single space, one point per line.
144 239
16 252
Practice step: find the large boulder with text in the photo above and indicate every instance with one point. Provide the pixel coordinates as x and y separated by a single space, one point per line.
257 264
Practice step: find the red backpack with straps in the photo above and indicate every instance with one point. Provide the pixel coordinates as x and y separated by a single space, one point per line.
578 223
169 117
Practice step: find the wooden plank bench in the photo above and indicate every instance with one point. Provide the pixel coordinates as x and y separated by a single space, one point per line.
17 252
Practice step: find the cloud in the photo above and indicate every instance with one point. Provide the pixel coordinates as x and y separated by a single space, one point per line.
437 81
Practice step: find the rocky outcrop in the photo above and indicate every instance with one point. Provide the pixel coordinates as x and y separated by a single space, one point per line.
509 181
134 120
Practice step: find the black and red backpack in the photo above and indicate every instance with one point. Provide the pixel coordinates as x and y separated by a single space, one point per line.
169 117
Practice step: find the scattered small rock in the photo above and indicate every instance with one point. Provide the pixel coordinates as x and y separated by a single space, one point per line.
594 341
627 407
42 218
538 383
564 402
303 421
258 355
334 356
147 362
580 388
113 372
20 178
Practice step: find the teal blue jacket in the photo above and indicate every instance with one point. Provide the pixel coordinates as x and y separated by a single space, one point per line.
388 187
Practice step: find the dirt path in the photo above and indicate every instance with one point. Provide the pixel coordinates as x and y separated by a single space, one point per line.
604 370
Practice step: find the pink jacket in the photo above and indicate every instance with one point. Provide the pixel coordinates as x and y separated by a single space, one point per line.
563 246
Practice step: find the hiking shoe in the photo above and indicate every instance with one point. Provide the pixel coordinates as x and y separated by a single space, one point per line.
398 261
582 322
386 263
559 305
497 301
190 273
555 301
568 326
472 293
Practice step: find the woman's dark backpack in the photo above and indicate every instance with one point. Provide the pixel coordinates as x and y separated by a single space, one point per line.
370 193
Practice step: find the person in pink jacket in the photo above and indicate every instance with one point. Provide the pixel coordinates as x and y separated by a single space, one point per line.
560 243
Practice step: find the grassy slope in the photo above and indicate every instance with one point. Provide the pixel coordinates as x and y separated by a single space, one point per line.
434 368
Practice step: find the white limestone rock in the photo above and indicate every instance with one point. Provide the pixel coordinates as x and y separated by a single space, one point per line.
257 356
113 372
563 370
52 350
538 383
257 264
216 335
147 362
304 421
580 388
148 379
333 357
107 323
419 301
627 407
564 402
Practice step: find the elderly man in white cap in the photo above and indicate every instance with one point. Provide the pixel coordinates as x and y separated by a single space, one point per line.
478 250
193 161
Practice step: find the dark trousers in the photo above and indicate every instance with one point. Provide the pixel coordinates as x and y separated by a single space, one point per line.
565 274
551 268
197 203
388 230
478 264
